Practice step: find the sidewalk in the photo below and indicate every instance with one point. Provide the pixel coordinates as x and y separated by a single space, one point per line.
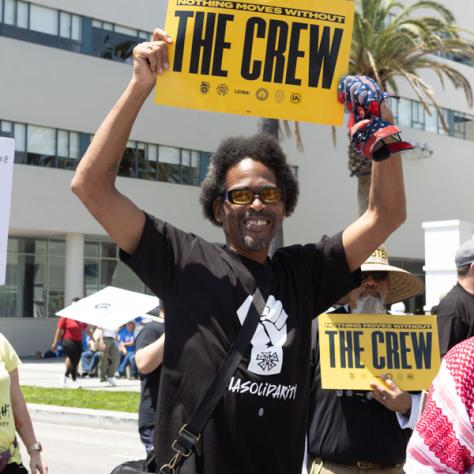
47 373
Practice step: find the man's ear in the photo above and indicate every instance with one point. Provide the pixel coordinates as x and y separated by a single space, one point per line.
218 210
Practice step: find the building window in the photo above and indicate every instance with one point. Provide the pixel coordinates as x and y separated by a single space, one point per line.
34 283
459 124
34 286
417 115
44 146
410 113
431 120
404 113
103 268
115 42
57 148
44 20
40 149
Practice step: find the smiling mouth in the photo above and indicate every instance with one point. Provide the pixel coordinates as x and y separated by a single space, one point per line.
255 223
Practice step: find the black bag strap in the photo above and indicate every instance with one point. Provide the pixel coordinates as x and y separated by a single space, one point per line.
190 433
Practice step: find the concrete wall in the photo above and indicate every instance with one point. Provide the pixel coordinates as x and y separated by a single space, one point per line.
29 335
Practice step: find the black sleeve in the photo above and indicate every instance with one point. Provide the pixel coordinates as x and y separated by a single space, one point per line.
158 253
150 333
322 269
332 276
451 330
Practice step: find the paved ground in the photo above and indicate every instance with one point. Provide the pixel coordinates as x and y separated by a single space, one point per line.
72 449
47 373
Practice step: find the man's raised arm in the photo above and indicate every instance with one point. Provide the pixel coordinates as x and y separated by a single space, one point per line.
386 211
94 180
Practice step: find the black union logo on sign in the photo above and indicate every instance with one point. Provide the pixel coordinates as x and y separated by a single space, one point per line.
295 98
262 94
205 87
222 89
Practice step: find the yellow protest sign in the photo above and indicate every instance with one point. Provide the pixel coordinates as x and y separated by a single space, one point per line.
356 349
269 58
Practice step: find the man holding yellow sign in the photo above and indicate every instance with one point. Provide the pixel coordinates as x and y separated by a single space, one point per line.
260 421
352 426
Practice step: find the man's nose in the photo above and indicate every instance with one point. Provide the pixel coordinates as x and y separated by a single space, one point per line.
369 281
256 204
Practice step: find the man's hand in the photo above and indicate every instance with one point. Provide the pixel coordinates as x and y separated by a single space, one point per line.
390 396
151 59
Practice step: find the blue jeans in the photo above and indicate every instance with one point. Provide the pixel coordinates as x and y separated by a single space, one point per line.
128 359
146 437
89 361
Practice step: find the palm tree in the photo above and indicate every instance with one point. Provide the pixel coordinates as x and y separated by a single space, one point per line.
391 41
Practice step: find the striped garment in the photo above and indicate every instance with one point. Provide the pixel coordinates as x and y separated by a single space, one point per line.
443 440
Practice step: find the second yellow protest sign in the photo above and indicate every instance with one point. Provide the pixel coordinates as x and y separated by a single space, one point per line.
356 349
276 59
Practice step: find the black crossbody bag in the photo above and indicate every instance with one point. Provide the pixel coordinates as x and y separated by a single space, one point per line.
190 433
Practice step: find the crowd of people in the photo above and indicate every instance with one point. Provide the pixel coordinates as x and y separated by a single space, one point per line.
273 405
97 352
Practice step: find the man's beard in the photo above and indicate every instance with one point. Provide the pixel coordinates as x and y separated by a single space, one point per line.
250 243
369 304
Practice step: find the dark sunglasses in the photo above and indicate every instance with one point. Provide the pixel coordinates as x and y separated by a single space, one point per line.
377 276
243 196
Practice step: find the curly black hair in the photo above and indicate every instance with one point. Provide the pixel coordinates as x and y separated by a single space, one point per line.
260 147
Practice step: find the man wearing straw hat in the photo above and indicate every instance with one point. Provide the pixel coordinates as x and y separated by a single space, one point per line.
352 431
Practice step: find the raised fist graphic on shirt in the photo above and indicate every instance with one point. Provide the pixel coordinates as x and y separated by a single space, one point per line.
270 335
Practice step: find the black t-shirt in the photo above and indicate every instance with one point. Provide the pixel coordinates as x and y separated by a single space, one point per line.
259 425
346 426
149 382
455 318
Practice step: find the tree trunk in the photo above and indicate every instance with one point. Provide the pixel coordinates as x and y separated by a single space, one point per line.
363 186
272 128
361 168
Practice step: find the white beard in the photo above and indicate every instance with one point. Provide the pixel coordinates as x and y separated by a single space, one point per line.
369 304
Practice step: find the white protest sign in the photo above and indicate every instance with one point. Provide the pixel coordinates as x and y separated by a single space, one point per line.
7 155
110 308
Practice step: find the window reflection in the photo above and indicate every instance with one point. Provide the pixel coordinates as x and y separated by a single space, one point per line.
105 269
469 128
9 12
22 15
404 113
43 146
431 121
459 124
44 20
40 145
169 164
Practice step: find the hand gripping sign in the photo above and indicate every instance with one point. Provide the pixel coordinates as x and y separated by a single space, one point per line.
267 58
363 98
356 349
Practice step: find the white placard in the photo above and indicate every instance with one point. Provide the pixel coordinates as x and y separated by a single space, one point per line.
7 156
110 308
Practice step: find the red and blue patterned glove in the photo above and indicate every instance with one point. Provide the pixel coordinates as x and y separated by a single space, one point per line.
363 98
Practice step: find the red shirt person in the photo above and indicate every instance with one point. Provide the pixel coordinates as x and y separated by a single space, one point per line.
69 331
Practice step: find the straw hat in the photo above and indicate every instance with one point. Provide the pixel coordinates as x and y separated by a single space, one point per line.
403 284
